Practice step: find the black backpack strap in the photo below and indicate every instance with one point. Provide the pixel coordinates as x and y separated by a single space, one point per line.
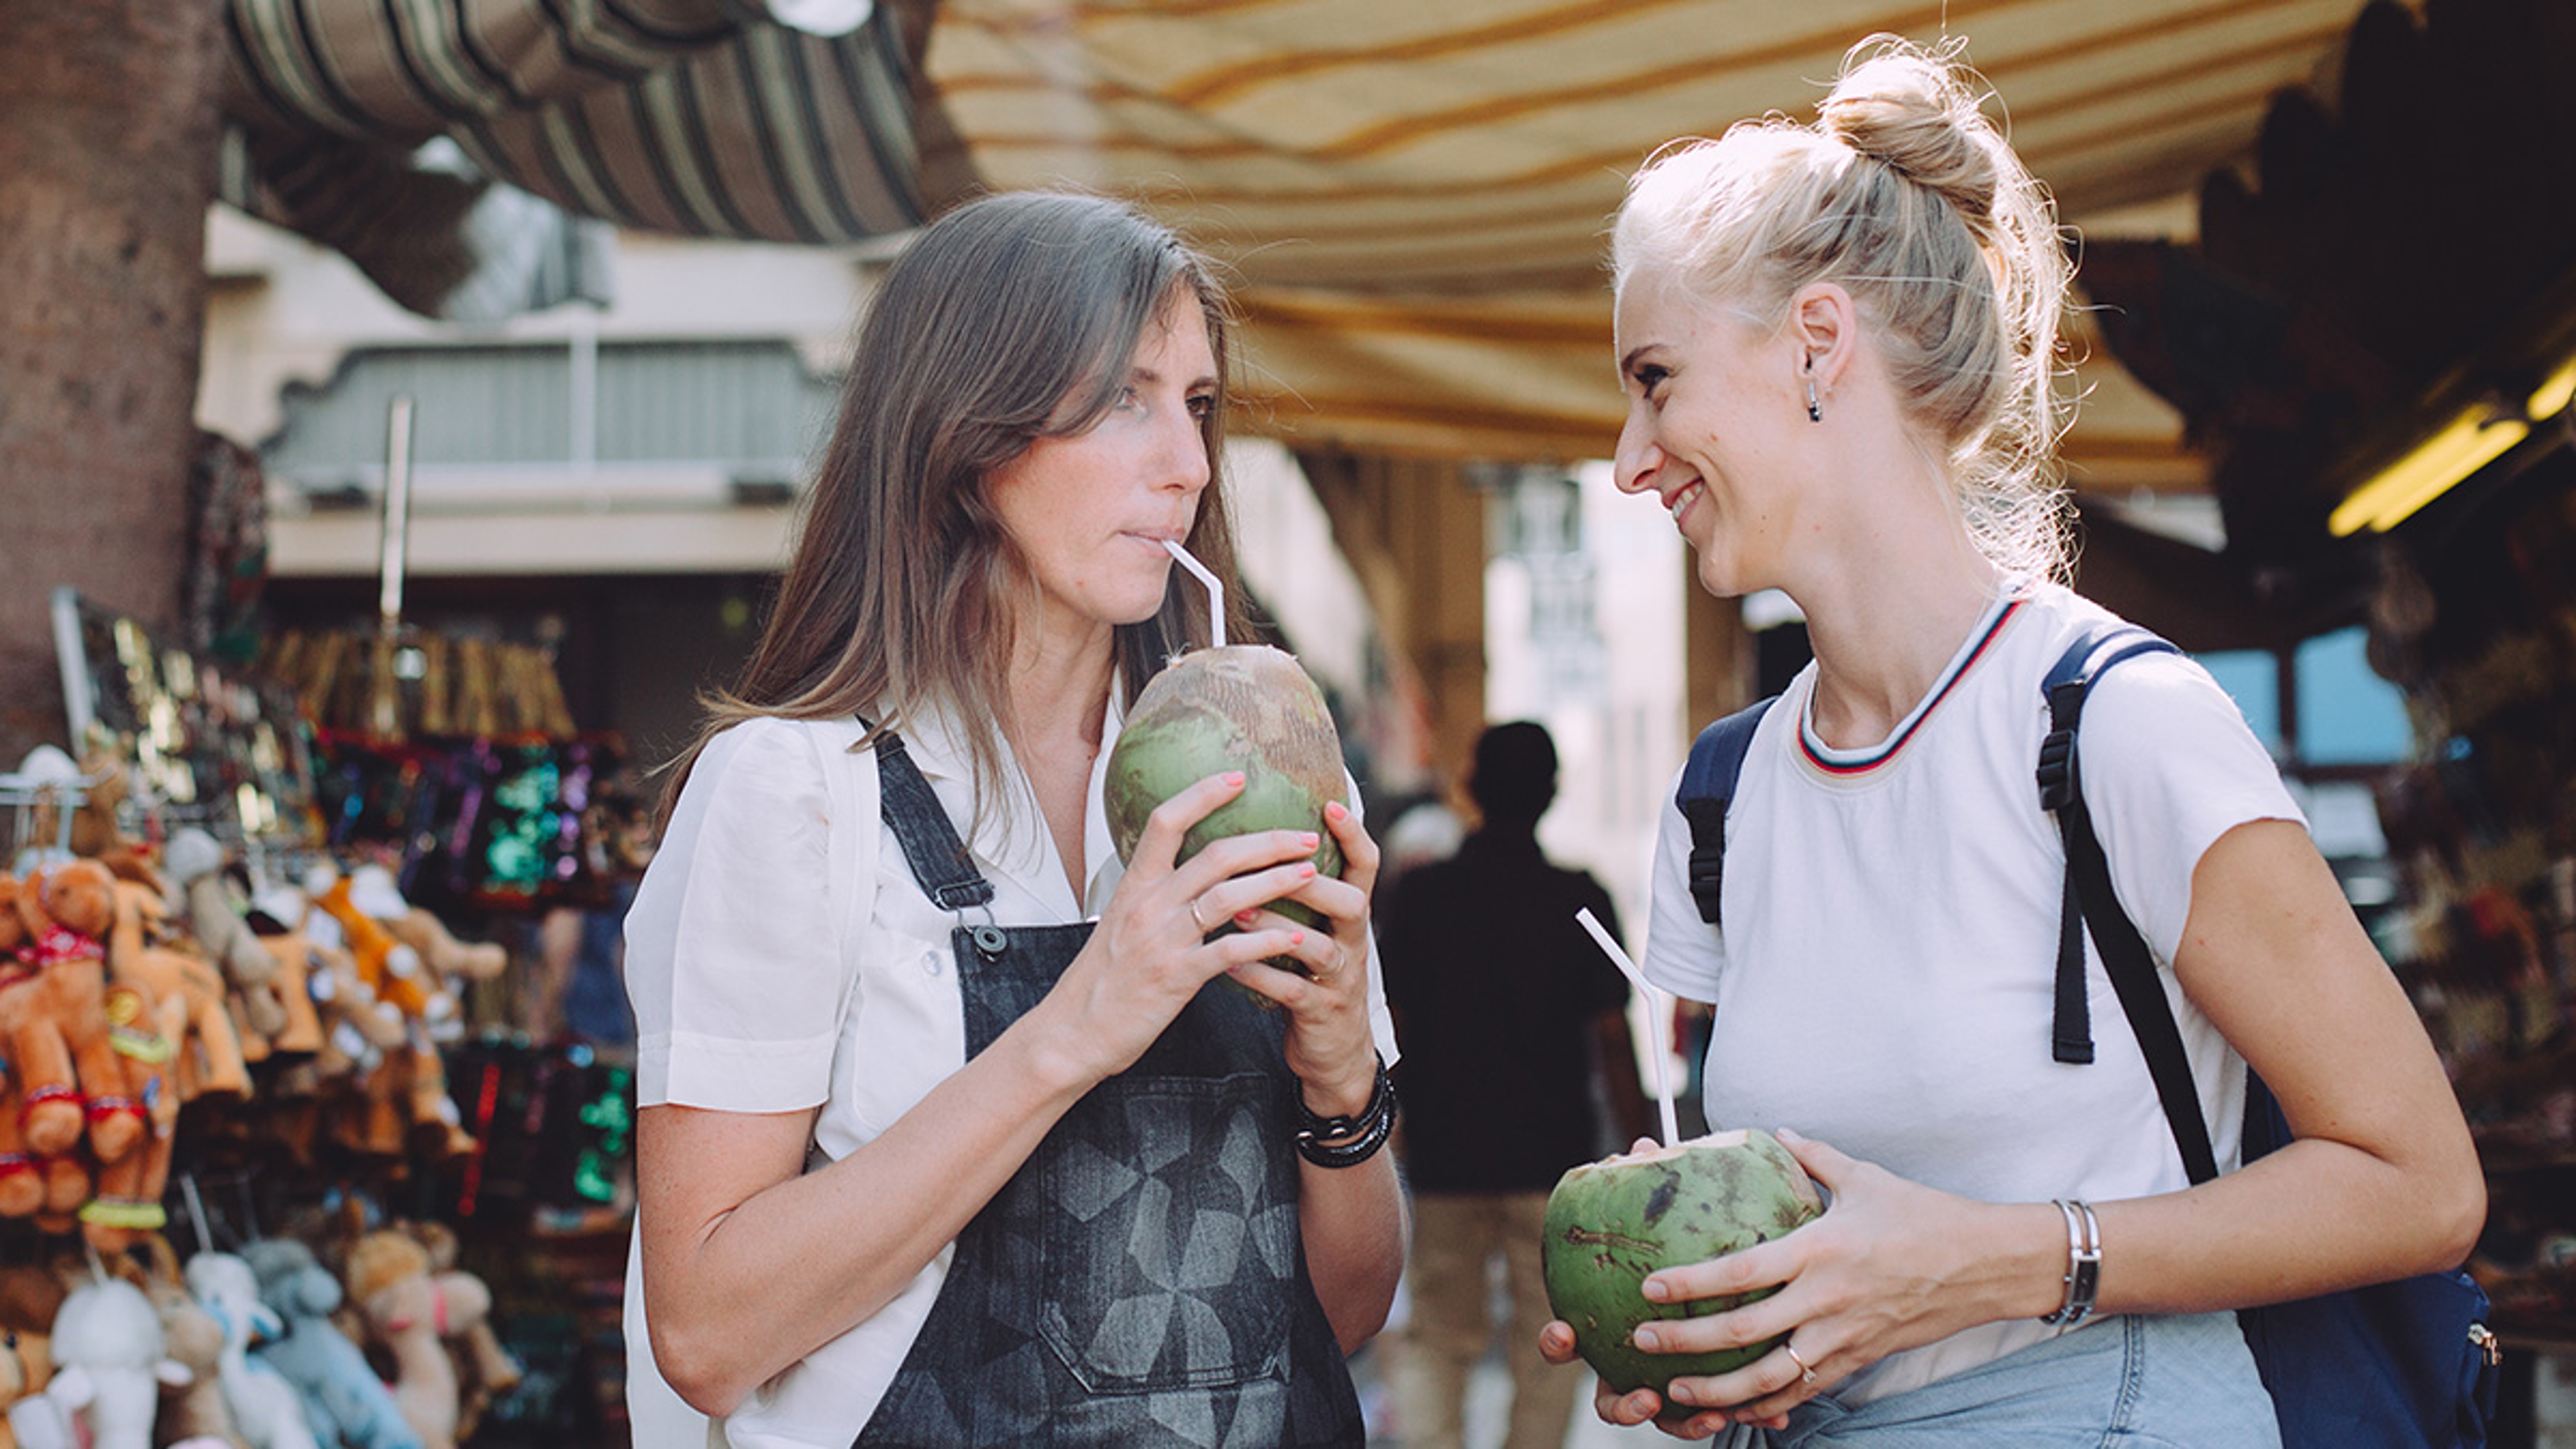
1707 788
2091 902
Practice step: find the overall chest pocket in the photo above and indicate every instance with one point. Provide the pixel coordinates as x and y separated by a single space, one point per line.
1171 1235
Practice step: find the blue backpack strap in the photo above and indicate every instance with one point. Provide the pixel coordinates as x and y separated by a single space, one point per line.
2090 903
1707 788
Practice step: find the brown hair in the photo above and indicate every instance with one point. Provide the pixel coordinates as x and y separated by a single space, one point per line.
1009 319
1907 196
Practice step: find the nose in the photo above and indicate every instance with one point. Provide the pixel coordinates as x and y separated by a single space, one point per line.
1638 457
1184 464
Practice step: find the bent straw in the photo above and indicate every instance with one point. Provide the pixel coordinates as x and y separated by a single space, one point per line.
1216 591
1663 1069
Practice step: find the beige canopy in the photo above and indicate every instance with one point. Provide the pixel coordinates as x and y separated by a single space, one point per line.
1413 192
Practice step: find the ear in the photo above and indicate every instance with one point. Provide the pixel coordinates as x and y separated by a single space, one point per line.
1825 323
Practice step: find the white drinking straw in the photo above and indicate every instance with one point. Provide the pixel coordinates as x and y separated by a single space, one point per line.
1663 1069
1216 591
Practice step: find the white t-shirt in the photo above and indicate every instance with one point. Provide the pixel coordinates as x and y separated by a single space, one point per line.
1886 979
776 894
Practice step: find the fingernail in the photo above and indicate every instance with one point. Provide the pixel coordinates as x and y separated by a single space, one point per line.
1654 1288
1234 777
1334 810
1787 1135
1305 869
1246 918
1677 1393
1645 1338
1296 938
1309 839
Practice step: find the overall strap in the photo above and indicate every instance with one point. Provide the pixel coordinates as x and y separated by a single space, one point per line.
2090 902
1707 788
938 858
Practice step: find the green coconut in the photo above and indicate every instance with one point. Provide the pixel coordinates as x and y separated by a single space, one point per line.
1612 1222
1243 707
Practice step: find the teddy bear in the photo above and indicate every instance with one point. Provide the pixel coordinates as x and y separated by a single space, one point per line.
409 1310
55 1018
344 1400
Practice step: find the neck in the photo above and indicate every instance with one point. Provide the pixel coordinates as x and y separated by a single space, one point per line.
1059 685
1886 613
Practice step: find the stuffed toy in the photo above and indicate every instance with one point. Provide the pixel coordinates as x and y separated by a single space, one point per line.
95 830
30 1296
193 1410
56 1018
267 1410
442 952
391 969
189 995
109 1365
343 1398
483 1364
409 1310
267 1004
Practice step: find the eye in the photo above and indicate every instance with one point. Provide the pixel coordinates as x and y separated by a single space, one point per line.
1129 400
1650 379
1202 405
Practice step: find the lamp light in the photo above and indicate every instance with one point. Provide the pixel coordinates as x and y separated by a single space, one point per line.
2552 396
2473 438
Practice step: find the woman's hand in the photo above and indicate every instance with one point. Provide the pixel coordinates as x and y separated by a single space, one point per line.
1891 1265
1329 1045
1151 953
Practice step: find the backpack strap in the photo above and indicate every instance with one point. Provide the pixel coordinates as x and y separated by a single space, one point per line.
2090 903
1707 788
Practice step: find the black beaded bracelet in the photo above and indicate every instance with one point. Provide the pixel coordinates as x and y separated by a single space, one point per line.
1319 1138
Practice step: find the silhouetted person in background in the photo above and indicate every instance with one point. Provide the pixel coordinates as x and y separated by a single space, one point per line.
1510 1014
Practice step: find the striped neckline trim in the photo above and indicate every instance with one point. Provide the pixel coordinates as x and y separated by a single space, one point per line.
1844 767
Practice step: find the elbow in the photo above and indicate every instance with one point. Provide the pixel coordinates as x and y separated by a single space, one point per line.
2461 1216
695 1371
1355 1326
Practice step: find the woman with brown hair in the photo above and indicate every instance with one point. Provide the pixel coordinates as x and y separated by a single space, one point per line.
952 1131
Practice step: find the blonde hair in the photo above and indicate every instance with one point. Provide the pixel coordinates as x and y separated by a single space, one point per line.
1905 195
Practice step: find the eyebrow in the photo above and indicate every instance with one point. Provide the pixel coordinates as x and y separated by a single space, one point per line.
1147 374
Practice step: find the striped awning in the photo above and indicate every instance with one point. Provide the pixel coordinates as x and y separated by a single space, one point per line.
447 146
1415 192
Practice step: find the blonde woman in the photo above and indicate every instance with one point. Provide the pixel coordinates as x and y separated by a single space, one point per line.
1836 340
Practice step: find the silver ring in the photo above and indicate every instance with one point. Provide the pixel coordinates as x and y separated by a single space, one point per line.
1806 1375
1203 926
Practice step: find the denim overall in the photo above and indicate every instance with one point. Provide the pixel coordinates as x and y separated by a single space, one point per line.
1139 1281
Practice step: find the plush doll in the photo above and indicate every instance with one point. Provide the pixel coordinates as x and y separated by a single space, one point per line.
407 1309
266 1003
109 1365
482 1362
343 1398
193 1411
56 1018
189 995
30 1296
266 1408
442 952
391 969
95 829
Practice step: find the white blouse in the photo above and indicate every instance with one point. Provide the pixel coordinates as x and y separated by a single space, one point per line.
780 923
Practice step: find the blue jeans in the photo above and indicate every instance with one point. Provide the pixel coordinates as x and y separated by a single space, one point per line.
2133 1382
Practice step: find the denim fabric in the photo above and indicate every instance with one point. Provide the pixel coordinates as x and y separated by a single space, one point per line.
2132 1382
1140 1280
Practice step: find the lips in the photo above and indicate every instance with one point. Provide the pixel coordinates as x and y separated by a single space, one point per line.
1680 502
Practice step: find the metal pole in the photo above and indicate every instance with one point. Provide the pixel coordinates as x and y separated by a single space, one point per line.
397 515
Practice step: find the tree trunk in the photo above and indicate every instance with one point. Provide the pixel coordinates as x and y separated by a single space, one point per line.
108 137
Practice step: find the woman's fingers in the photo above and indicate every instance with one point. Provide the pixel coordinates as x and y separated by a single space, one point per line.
1158 845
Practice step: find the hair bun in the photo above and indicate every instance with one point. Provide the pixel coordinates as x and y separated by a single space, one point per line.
1916 113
